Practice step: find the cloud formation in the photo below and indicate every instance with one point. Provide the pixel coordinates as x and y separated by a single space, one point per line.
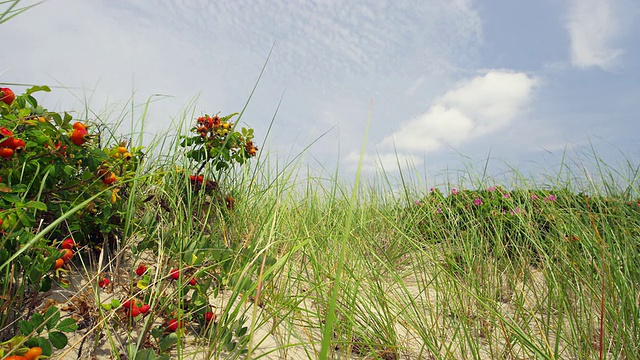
475 107
593 29
325 40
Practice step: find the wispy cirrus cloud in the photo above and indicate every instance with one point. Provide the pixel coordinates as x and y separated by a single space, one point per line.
593 29
324 40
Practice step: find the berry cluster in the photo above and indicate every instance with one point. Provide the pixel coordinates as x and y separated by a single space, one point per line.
197 181
132 309
9 144
80 134
213 126
209 127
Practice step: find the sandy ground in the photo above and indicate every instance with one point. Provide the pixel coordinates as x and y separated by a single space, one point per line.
299 337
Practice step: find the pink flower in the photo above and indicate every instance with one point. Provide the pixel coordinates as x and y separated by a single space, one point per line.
432 190
551 198
454 191
492 189
477 202
534 197
506 195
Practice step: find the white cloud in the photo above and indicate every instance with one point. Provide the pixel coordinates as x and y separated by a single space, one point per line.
475 107
593 28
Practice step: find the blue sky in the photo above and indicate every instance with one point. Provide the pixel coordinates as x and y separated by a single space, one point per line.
451 81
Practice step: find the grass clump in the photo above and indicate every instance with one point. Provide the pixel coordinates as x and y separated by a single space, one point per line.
244 261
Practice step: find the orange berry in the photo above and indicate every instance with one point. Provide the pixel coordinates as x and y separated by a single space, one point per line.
109 178
5 132
7 96
17 144
6 152
8 142
33 353
67 254
78 136
79 126
58 264
68 244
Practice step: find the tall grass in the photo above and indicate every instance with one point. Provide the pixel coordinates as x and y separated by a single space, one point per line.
307 266
314 269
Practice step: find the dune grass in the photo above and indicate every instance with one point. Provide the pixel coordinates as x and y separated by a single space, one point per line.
305 267
308 267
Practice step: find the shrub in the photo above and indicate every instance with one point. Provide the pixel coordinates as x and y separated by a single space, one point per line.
56 181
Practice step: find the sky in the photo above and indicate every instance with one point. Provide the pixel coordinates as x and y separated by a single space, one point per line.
445 83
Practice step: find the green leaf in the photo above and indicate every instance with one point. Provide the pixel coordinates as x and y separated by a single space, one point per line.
14 341
32 101
27 219
58 339
145 354
37 320
242 331
231 345
143 283
57 119
12 198
26 327
37 205
52 316
45 345
168 341
67 325
33 89
156 332
226 118
31 342
35 275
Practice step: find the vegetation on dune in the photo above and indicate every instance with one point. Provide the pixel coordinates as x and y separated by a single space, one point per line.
197 247
205 255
